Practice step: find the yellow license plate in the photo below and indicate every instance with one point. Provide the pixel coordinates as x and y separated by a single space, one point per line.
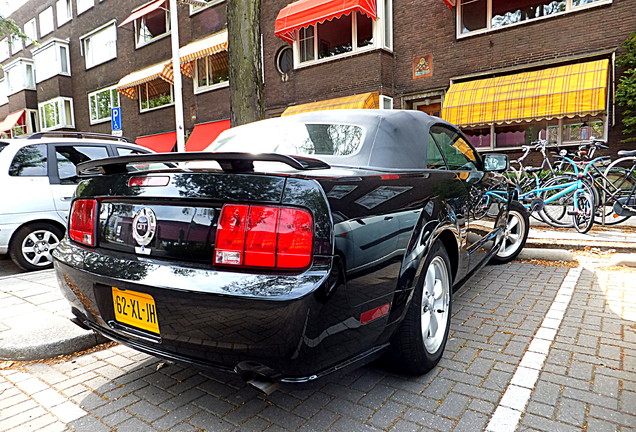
135 309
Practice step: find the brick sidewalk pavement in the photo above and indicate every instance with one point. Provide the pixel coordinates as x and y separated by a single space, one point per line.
582 378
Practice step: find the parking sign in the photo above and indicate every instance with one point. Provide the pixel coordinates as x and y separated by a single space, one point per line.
115 118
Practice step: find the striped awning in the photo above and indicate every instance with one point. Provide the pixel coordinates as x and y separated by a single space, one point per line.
159 83
450 3
214 45
359 101
304 13
564 91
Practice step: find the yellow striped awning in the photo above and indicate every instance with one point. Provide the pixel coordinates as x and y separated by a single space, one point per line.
359 101
564 91
214 45
152 74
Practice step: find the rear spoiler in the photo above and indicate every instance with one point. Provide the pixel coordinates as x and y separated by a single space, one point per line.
229 161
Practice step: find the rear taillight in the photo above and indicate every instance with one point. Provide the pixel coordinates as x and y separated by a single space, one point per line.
83 216
263 236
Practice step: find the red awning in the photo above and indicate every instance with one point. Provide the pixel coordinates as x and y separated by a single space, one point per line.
450 3
303 13
161 143
11 120
204 134
143 11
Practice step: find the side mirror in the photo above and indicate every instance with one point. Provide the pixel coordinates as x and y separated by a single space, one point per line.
496 162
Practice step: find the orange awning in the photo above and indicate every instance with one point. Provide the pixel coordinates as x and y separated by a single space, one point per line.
214 45
359 101
150 7
564 91
10 121
159 83
304 13
204 134
161 143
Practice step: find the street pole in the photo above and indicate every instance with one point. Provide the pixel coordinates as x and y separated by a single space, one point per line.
177 84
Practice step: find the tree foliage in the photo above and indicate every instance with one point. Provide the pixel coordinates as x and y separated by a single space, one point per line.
8 27
626 88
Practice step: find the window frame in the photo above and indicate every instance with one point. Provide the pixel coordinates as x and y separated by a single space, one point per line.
15 44
4 49
23 63
47 14
381 27
202 89
144 110
94 94
137 27
63 121
32 33
58 45
569 8
4 91
68 16
87 37
85 4
560 142
196 9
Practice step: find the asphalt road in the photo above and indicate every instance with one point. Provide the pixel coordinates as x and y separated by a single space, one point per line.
532 347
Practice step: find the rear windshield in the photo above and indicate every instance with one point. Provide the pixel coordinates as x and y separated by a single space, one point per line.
292 139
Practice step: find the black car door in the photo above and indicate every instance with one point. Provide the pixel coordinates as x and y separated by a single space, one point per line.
480 214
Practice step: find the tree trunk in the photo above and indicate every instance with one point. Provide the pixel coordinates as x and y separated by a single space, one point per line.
246 72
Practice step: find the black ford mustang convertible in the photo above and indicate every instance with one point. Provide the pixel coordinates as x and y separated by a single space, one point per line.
293 248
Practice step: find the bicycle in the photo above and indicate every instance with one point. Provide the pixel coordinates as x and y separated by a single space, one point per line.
572 193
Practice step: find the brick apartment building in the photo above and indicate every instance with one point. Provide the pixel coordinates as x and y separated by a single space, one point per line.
508 72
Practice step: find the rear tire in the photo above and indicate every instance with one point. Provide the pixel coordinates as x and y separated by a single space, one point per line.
515 236
31 245
419 342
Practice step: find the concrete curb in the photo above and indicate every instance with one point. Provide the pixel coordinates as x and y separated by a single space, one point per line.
625 259
546 254
46 336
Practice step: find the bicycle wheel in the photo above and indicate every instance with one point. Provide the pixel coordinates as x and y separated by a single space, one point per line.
555 212
619 181
583 211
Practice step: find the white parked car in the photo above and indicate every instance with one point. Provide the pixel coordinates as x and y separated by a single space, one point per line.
38 179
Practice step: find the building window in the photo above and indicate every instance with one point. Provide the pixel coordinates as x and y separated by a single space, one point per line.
46 21
212 72
101 102
343 36
195 9
152 26
4 49
478 16
19 75
566 131
4 92
386 102
15 44
51 59
56 114
100 45
31 31
84 5
152 97
64 11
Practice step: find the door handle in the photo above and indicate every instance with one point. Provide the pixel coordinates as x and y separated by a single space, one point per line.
66 198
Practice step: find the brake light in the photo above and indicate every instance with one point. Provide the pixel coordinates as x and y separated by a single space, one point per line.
263 236
82 222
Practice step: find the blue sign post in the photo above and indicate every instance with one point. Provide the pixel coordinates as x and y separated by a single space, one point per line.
115 121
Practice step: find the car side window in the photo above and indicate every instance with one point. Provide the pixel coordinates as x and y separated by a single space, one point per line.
30 161
434 158
125 151
68 156
458 153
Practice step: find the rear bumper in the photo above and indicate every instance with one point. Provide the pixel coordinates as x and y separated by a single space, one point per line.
288 328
